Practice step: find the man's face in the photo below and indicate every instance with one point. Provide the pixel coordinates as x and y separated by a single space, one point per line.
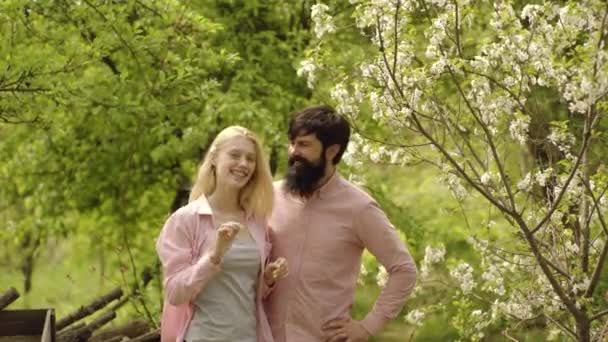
306 165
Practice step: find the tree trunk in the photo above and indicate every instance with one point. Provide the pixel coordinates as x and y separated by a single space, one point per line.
29 245
583 331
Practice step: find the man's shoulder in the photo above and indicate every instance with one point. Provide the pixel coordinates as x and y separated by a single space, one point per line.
356 193
278 186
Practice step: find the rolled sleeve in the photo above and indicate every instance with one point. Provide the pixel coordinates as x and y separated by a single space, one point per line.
183 278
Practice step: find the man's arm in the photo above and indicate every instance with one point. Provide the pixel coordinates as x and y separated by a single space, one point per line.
381 238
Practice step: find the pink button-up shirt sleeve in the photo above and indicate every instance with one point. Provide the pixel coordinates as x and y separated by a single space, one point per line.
382 240
183 279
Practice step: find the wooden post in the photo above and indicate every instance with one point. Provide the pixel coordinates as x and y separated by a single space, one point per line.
30 324
85 311
8 297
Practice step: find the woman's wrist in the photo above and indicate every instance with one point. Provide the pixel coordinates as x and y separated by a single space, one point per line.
269 282
215 258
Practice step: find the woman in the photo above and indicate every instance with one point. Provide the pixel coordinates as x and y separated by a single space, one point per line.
214 249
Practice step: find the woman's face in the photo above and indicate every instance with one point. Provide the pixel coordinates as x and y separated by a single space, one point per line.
235 162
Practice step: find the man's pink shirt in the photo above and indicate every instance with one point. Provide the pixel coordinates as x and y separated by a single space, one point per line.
323 239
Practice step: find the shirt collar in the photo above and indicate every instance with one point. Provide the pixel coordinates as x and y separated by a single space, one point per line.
203 207
329 186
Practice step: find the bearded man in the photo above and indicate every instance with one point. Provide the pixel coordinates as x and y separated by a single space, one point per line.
321 223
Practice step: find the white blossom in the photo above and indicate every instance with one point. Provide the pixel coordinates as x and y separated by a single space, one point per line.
322 21
307 68
455 184
463 274
486 178
494 280
382 276
543 176
415 317
431 256
582 286
362 274
525 183
519 129
346 103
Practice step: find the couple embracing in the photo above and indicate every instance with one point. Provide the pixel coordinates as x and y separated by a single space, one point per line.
247 260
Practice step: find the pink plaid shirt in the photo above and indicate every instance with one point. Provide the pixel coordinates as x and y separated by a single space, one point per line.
182 246
323 239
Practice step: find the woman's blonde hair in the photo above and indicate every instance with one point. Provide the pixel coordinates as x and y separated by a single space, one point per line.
256 197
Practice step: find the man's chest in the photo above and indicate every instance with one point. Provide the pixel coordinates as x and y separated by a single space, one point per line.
299 228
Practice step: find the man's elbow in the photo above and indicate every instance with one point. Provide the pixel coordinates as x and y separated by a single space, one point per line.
408 273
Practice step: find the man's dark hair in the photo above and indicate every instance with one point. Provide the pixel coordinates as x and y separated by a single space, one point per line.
323 121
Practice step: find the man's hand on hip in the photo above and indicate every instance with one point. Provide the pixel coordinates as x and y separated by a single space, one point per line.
344 330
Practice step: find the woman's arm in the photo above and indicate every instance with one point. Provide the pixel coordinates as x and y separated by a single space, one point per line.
183 277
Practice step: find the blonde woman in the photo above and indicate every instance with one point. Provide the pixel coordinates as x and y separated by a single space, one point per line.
214 250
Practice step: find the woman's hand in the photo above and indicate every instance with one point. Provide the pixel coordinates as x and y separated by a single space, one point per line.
225 236
275 270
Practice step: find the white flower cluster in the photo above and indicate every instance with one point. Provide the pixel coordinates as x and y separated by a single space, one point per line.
347 104
525 183
351 154
382 276
494 268
519 129
479 321
494 281
431 256
543 176
579 288
463 274
307 69
455 184
322 22
516 308
561 138
362 274
415 317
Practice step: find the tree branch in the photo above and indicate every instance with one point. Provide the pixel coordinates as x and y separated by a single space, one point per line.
595 278
457 28
598 315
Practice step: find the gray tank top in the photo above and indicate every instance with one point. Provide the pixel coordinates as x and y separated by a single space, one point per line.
225 311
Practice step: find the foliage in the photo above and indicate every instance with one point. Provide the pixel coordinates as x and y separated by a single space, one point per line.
106 108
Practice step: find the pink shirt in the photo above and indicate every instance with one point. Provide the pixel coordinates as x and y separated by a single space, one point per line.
182 245
323 239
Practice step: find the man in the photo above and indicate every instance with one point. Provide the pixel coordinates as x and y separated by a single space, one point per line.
321 224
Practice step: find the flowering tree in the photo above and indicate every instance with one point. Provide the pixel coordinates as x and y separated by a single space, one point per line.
508 101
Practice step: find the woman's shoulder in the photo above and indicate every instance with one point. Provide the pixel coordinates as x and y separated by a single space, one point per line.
187 210
183 215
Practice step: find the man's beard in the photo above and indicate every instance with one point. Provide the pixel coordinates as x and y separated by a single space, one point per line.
303 179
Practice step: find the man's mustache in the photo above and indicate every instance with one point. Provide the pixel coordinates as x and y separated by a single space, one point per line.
294 159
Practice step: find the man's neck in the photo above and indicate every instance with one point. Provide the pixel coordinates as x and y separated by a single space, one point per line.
329 173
